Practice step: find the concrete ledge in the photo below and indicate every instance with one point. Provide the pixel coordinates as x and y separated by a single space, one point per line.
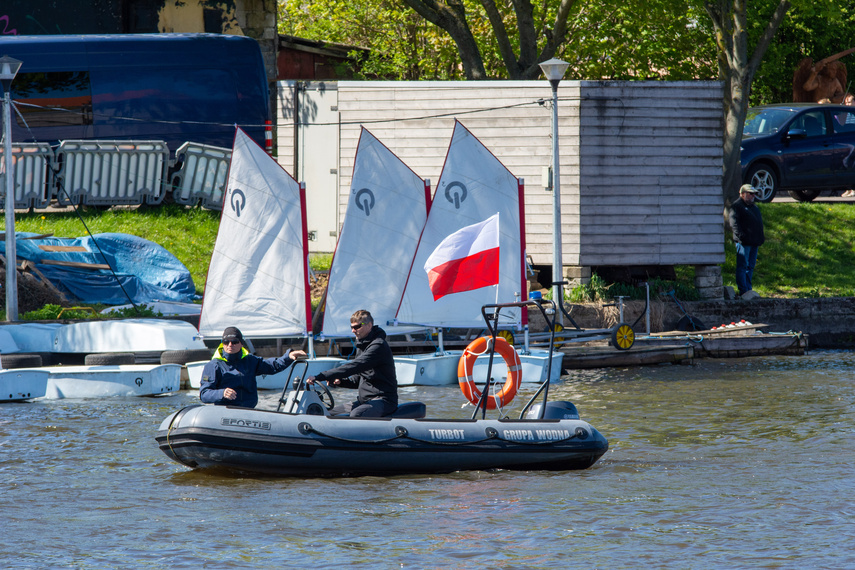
829 321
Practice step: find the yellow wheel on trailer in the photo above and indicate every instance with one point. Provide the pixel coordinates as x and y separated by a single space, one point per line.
623 337
559 340
507 335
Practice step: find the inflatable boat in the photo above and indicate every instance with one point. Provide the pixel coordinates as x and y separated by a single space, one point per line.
301 438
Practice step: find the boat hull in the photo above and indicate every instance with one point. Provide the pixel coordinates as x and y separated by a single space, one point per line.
430 369
112 380
272 443
534 365
22 384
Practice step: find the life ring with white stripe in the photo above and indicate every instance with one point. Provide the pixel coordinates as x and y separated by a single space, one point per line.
481 346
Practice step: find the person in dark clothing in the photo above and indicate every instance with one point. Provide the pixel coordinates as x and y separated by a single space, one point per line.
229 379
747 225
372 372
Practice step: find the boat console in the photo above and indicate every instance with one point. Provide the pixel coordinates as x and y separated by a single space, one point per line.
300 397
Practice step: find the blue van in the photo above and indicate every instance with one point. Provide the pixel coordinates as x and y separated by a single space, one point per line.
170 87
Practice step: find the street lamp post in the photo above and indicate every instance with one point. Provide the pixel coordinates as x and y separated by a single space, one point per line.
8 70
554 70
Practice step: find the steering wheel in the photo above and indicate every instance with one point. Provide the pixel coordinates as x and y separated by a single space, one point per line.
323 393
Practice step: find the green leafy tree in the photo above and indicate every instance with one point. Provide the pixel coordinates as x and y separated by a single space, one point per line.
640 39
402 44
524 35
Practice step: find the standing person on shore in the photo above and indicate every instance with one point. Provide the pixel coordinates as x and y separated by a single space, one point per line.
229 379
747 225
372 372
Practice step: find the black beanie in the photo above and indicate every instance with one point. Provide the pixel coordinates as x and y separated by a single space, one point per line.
232 333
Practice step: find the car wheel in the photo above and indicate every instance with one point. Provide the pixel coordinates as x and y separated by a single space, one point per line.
764 179
804 195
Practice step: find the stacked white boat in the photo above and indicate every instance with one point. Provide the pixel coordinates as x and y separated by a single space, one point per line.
109 346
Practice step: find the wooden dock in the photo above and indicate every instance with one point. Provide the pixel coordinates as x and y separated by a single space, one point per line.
676 347
737 342
579 357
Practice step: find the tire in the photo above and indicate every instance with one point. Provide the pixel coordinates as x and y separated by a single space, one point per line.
185 356
764 178
10 361
106 358
804 195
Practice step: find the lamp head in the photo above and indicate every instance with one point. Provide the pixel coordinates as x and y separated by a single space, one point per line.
8 70
554 70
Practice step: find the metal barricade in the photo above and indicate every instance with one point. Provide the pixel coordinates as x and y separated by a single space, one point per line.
32 170
111 172
201 176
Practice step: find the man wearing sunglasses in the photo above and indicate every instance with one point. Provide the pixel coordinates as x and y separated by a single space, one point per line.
229 379
372 372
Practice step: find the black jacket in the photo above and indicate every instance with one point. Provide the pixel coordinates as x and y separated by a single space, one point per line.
372 371
746 223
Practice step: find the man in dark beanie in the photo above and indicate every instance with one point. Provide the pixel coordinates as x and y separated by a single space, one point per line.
229 378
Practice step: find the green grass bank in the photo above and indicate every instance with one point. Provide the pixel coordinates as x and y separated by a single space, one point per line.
809 249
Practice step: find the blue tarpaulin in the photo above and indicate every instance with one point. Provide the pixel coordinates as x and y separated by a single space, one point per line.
146 271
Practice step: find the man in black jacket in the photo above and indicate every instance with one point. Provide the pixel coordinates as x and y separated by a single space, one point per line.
372 371
747 225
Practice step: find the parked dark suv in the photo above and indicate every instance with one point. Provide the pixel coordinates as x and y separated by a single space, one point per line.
804 148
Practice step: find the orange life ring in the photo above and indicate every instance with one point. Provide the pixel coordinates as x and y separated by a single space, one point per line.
466 364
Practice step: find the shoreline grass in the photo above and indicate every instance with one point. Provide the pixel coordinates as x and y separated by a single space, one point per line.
808 251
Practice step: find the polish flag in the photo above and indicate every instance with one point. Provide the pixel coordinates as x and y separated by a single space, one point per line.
467 259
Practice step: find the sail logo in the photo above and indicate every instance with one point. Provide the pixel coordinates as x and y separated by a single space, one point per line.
237 201
455 193
365 200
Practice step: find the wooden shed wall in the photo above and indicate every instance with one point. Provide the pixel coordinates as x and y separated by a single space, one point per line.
650 172
626 157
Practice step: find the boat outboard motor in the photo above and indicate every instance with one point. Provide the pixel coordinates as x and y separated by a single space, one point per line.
303 402
560 410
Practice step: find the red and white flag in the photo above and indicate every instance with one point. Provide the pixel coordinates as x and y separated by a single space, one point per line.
467 259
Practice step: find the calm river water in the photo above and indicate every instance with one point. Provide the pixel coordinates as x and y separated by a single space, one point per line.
724 464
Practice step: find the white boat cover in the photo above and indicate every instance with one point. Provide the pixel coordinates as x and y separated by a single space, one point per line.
125 335
258 277
385 215
473 186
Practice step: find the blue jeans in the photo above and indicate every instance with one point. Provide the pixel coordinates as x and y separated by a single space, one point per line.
746 259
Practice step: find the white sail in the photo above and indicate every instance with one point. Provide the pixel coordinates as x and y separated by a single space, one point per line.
473 186
386 213
258 277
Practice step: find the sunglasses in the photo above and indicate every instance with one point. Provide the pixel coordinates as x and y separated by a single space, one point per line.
227 342
356 327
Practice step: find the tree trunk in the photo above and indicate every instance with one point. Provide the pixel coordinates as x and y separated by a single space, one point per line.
737 70
451 17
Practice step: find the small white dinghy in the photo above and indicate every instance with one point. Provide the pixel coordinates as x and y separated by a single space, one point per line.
535 362
112 380
22 384
258 278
